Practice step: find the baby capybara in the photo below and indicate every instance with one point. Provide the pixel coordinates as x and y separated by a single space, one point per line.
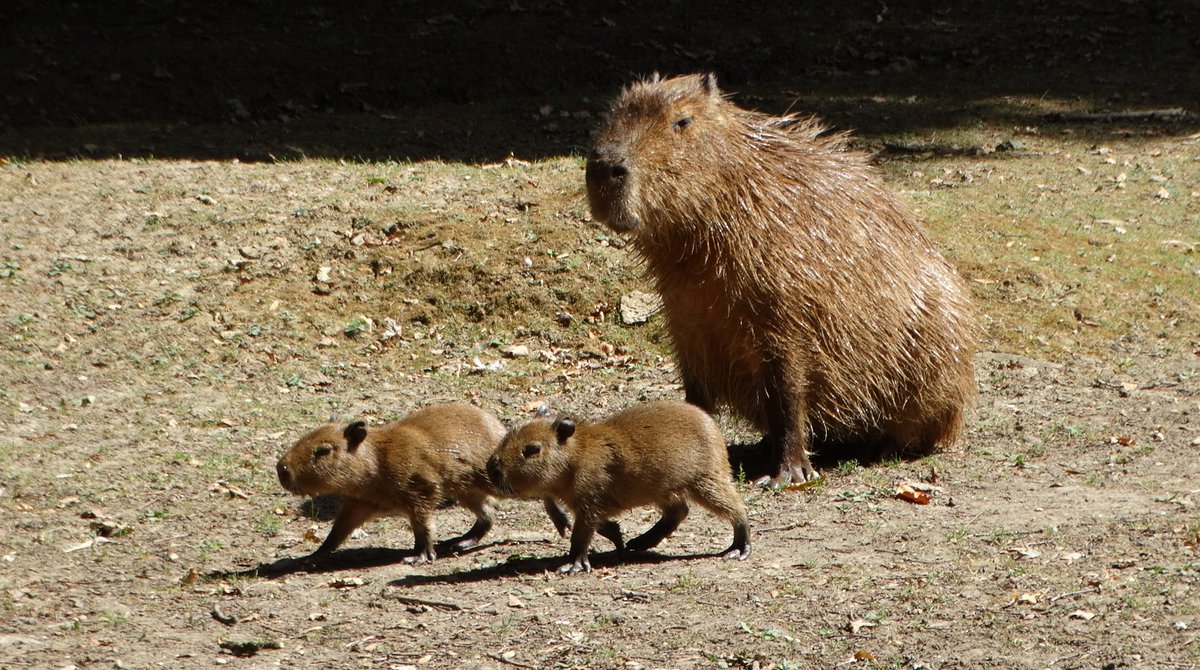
663 453
798 290
408 467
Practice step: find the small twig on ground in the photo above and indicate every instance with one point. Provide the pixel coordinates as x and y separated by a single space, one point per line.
1007 533
366 639
775 529
224 618
634 595
1090 589
1068 657
409 600
1172 114
500 658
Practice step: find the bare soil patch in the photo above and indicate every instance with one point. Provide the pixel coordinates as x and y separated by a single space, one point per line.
173 318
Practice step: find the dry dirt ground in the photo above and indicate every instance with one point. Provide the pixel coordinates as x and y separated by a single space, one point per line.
174 318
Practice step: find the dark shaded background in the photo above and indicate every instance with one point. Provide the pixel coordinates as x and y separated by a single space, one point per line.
474 80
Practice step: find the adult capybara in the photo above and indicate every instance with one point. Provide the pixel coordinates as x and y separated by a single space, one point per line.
798 290
663 453
408 467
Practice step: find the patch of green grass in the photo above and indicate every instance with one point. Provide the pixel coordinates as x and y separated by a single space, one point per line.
268 524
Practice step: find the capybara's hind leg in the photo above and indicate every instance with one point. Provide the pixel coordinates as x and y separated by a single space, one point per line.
484 516
673 515
611 531
722 499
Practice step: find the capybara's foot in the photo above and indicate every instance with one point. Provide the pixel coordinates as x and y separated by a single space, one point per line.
643 542
578 565
463 544
421 558
787 476
737 553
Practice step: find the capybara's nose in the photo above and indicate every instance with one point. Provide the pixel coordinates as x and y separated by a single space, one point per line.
493 469
605 166
285 477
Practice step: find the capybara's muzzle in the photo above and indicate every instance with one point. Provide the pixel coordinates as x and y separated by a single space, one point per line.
606 167
496 476
285 475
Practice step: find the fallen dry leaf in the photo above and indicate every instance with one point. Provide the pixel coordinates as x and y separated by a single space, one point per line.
912 494
856 625
1025 598
1082 614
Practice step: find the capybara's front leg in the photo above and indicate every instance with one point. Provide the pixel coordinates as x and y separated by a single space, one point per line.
581 541
352 515
423 535
557 515
788 435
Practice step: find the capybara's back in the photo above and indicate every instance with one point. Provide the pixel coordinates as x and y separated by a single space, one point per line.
797 289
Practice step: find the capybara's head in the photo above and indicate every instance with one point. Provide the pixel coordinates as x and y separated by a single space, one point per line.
659 146
326 460
533 459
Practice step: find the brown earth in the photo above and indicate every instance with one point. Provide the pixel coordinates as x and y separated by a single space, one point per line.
176 311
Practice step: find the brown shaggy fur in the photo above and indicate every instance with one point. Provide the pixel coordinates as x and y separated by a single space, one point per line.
408 467
798 290
659 453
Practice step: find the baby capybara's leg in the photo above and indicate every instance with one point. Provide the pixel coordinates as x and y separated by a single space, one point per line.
484 517
352 515
423 536
721 498
673 514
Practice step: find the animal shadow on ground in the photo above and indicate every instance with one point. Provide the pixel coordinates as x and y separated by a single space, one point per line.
540 564
340 560
750 461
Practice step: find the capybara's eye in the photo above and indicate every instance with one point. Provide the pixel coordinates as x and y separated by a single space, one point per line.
683 123
531 450
323 450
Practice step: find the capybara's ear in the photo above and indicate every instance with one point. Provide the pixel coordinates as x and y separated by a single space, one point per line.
564 428
709 81
355 433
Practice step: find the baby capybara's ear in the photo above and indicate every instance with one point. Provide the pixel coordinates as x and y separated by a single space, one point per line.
709 81
355 433
564 428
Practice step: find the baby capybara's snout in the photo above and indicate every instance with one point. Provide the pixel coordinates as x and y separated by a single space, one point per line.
285 475
494 473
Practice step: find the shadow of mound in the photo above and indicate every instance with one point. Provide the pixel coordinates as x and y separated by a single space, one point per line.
474 81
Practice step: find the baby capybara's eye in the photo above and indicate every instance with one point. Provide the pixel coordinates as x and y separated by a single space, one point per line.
323 450
683 123
531 450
